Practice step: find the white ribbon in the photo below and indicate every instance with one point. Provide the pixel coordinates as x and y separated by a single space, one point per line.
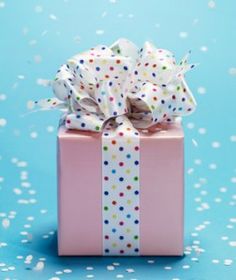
146 85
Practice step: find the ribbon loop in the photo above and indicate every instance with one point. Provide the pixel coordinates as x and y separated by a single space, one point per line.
146 85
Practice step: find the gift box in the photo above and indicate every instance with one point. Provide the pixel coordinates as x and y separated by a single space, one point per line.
120 150
160 196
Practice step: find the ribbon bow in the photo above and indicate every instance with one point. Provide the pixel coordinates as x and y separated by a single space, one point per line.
146 85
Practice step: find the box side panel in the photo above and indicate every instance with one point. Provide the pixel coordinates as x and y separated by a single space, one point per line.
79 195
162 196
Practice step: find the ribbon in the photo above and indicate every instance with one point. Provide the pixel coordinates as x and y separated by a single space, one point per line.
118 90
145 85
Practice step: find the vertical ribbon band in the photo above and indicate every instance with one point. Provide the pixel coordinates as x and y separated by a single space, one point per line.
121 187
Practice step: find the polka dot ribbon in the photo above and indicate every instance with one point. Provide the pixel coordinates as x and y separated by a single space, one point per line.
144 84
120 158
118 90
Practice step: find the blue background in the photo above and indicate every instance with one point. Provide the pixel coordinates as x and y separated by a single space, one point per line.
35 38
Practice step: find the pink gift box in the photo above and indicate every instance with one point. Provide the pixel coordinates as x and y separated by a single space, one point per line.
161 192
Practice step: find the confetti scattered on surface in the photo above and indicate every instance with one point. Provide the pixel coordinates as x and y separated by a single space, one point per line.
99 32
201 90
211 4
183 34
232 71
3 122
42 39
204 48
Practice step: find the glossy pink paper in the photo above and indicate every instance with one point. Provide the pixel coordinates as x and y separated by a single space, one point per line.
161 192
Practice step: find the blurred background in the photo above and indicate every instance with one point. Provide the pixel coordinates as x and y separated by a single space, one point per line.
36 37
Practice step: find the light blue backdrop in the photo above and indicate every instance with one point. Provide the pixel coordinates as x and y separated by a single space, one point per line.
35 38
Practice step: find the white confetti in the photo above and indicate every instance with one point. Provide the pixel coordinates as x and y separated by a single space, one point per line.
183 35
233 179
2 5
110 267
38 9
4 269
67 270
38 58
233 138
130 270
99 32
21 77
190 125
104 14
44 33
201 90
89 268
33 134
43 82
30 105
211 4
22 164
228 262
39 266
212 166
50 128
3 97
232 243
195 143
17 191
215 144
232 71
52 17
186 266
202 130
190 171
32 42
198 161
28 259
25 31
223 189
3 244
204 48
5 223
3 122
